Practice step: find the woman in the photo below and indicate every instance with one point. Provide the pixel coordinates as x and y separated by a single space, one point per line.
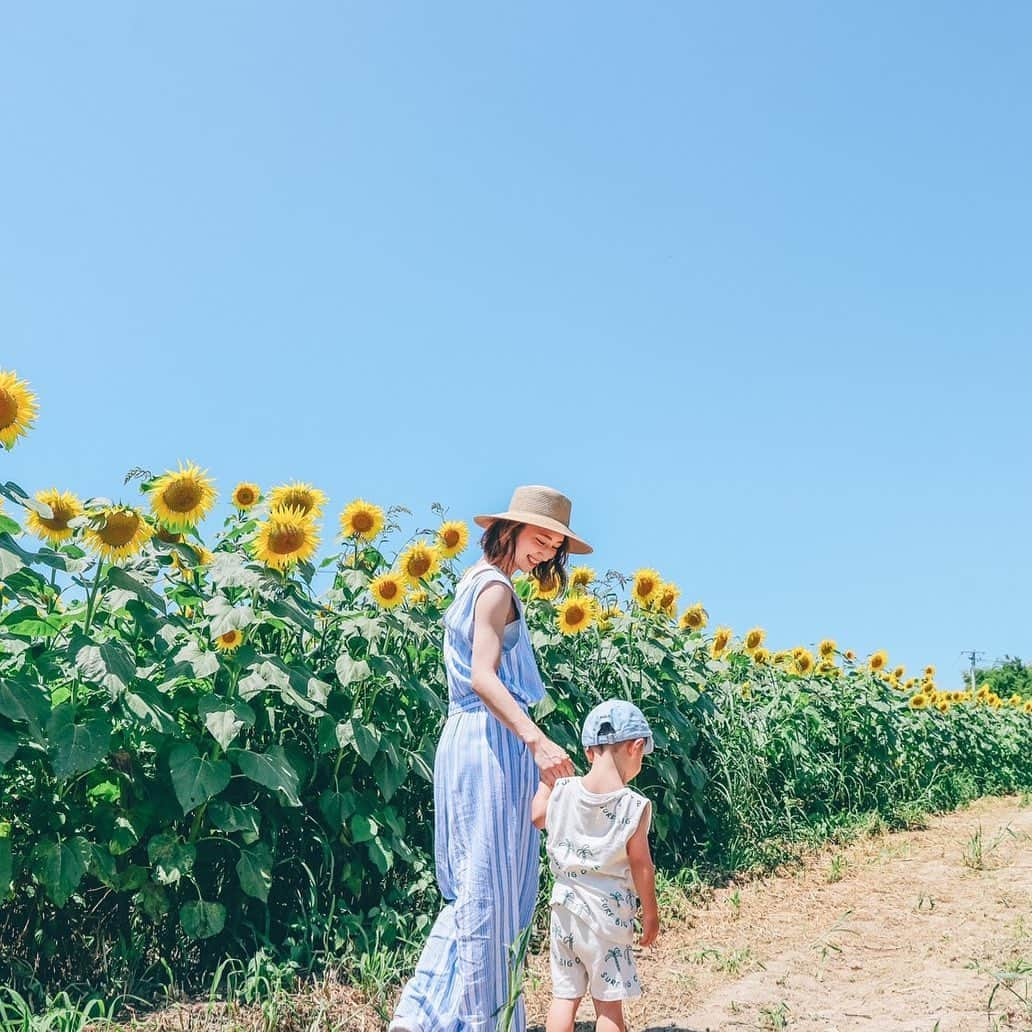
489 761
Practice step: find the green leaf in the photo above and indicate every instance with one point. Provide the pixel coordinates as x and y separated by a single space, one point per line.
336 807
124 835
226 617
59 864
9 743
245 819
351 670
24 702
152 900
12 556
190 658
74 747
202 920
127 582
363 828
380 855
9 526
271 769
104 867
6 867
290 613
195 778
148 707
254 869
170 858
224 718
27 623
108 664
390 774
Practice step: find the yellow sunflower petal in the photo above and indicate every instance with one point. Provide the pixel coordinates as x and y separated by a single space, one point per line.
418 561
287 537
18 408
182 498
64 506
298 496
452 538
646 584
117 532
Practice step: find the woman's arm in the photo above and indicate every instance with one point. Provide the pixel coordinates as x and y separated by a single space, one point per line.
490 615
643 872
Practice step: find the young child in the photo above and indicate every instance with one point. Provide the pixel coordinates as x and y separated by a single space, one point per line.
598 850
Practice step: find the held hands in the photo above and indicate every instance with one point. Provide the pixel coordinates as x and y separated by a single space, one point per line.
649 930
552 761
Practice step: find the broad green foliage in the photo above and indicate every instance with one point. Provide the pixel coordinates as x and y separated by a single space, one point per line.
213 750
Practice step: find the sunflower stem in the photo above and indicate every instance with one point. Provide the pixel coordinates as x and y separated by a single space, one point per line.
91 602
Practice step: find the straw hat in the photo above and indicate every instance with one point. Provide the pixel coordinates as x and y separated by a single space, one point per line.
540 507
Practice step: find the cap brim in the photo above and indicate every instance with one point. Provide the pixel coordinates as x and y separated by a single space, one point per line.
578 546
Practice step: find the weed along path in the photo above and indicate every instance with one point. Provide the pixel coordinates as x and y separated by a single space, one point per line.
904 932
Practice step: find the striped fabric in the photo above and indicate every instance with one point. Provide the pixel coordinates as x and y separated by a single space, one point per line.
486 849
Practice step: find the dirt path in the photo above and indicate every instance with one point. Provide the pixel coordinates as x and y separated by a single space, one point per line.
897 933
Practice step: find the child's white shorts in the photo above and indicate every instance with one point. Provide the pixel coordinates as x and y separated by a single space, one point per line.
583 962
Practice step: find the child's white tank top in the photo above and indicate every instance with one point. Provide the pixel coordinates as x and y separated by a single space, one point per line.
587 852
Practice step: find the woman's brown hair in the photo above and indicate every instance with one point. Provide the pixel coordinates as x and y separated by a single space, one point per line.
499 545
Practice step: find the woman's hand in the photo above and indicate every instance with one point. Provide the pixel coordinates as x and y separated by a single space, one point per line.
552 760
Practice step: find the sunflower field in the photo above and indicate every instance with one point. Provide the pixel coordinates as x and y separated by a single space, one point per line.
218 742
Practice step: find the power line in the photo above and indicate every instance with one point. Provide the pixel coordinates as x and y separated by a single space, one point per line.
973 655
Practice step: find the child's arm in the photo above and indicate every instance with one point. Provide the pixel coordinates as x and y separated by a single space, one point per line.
643 871
539 806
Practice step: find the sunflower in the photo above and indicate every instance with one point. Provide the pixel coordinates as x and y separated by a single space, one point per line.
230 641
919 701
452 538
802 661
827 648
850 655
827 668
169 537
694 618
877 660
721 641
246 495
419 560
181 498
943 706
1015 699
419 597
17 408
665 599
581 576
547 590
388 590
576 614
607 616
754 638
1027 708
761 656
288 536
362 520
309 500
646 584
899 673
64 506
780 658
117 532
929 671
199 555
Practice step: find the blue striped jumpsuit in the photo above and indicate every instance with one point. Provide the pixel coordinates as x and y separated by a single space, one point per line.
486 849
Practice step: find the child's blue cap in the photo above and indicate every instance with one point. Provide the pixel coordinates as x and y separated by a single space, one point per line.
616 720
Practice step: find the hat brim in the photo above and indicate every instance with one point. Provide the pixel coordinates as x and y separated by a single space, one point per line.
578 546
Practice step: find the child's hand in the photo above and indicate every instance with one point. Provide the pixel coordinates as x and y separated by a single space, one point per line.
649 931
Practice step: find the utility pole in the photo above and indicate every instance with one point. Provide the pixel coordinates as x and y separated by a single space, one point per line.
972 655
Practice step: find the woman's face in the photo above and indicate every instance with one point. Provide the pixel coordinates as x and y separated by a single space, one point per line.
535 545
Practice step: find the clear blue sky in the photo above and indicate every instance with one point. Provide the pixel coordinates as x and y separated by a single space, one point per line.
750 282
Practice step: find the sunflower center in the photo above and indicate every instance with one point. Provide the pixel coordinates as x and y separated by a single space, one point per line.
362 522
245 496
575 614
298 500
8 409
388 589
418 565
287 540
120 529
182 496
229 637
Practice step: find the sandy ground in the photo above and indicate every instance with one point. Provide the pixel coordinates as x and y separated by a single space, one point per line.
906 932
